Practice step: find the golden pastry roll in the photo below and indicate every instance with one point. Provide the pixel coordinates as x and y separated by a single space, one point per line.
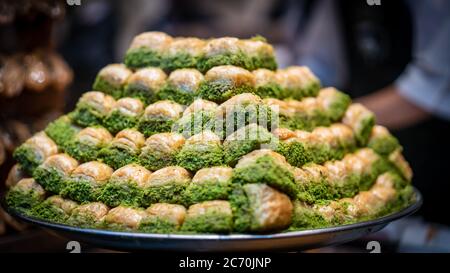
186 79
209 217
222 45
37 74
159 117
92 108
199 116
307 106
382 141
344 135
167 185
267 167
280 106
361 120
284 133
205 147
145 83
239 100
129 139
66 205
112 79
125 114
124 218
123 149
51 174
266 85
147 49
234 75
182 86
54 209
183 53
88 143
333 103
60 72
259 52
269 208
243 110
126 186
34 151
200 105
160 150
132 173
25 195
223 82
88 214
163 218
384 188
86 181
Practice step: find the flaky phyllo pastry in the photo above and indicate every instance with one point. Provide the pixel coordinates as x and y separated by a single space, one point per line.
208 136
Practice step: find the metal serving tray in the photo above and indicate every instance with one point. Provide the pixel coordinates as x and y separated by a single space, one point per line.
286 241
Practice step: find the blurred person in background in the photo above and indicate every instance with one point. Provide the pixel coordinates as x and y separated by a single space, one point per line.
393 57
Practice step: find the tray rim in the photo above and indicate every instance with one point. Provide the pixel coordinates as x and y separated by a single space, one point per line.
384 220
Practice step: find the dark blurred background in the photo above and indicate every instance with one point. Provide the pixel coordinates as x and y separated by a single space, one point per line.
392 56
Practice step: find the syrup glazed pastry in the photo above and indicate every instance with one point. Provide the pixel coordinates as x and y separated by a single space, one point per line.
147 49
123 218
361 120
92 108
181 86
62 131
54 209
223 82
389 192
123 149
126 186
160 150
201 150
210 184
207 136
53 172
183 53
167 185
144 84
242 110
328 107
88 215
125 114
163 218
320 145
34 151
112 79
159 117
85 182
199 116
25 195
245 140
87 143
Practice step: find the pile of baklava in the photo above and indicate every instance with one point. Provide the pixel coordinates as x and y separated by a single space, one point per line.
208 136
